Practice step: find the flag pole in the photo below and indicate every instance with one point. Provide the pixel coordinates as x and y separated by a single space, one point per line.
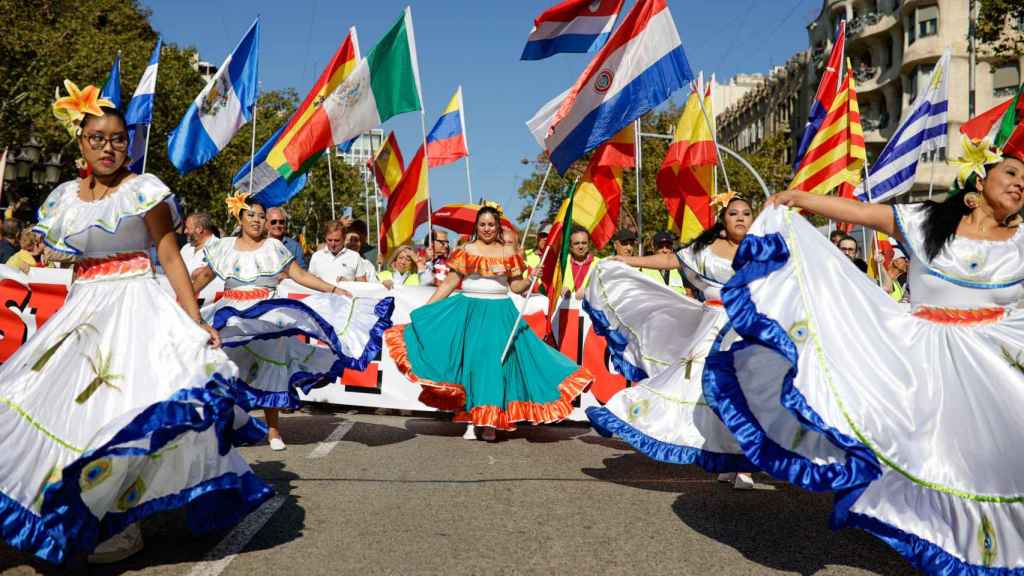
465 141
330 177
145 151
714 138
529 220
426 158
637 154
469 182
522 308
931 176
252 146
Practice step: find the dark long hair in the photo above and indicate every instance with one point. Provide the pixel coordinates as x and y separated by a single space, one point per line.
497 220
942 218
708 236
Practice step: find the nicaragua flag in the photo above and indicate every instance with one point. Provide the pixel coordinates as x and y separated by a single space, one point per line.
221 108
139 113
640 67
572 26
924 129
446 141
272 188
112 87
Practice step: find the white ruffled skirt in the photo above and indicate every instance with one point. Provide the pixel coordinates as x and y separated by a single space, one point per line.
116 409
914 422
261 335
659 340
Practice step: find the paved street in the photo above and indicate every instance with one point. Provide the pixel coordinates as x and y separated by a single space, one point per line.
362 493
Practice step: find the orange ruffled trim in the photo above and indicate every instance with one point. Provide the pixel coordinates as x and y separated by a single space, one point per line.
254 294
451 397
961 317
128 263
488 266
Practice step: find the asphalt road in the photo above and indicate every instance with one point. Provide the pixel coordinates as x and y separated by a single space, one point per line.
363 493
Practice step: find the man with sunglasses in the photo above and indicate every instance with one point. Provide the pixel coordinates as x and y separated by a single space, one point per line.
437 256
665 243
277 228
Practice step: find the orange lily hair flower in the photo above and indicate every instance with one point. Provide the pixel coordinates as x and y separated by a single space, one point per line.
236 203
70 109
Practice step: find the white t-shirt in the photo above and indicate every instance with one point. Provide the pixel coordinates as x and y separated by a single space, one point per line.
345 266
193 257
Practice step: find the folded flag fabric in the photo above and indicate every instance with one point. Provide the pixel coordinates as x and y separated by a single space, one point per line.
112 87
139 114
407 206
388 165
446 141
225 104
572 26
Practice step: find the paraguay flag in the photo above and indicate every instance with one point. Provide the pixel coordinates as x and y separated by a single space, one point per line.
222 107
572 26
640 67
446 142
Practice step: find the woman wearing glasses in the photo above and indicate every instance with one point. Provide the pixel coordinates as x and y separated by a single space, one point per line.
119 406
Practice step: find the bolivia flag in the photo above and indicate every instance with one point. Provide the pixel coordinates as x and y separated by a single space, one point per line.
388 165
407 206
446 142
385 83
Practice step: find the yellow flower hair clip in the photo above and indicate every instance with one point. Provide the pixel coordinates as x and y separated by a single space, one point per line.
976 155
722 200
70 109
495 205
236 203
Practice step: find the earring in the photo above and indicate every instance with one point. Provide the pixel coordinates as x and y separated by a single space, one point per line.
972 199
721 233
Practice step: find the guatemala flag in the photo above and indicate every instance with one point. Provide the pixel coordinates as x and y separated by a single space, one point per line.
923 130
139 114
224 105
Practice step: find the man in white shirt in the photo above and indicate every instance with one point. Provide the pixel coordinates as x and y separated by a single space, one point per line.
335 263
199 230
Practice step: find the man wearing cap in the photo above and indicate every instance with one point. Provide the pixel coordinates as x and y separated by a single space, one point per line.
533 255
624 242
665 243
895 282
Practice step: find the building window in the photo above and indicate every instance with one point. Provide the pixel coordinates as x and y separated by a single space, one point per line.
887 54
1005 80
927 21
910 31
919 78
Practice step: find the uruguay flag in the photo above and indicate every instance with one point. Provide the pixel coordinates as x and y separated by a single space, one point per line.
139 113
640 67
572 26
112 87
224 105
924 130
446 141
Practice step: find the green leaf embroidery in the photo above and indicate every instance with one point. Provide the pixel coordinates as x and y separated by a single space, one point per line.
53 349
102 376
987 540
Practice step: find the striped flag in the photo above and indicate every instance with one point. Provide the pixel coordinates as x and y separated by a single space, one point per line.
139 114
923 130
642 64
836 153
446 141
823 98
274 179
388 165
557 259
599 194
685 179
407 206
572 26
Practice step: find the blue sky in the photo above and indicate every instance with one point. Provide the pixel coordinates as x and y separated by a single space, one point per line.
475 43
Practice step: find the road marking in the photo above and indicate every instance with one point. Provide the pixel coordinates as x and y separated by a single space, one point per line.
325 447
217 560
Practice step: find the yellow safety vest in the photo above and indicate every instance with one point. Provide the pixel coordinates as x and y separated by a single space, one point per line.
675 279
412 279
569 283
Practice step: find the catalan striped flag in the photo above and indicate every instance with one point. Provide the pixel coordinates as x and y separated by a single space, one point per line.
446 141
407 206
836 153
599 193
686 178
388 165
273 178
827 89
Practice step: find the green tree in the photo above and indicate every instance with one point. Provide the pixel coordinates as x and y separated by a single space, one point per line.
1001 27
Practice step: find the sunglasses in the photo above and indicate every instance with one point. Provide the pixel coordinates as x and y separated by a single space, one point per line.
275 222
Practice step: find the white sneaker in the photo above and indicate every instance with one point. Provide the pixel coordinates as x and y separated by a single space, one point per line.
277 445
470 433
745 481
118 547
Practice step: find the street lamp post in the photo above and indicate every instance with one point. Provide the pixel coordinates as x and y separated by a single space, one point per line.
28 174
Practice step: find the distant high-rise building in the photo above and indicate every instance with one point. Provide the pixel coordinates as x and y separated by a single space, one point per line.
365 146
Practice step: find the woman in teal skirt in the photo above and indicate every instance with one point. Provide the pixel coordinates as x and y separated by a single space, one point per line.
452 346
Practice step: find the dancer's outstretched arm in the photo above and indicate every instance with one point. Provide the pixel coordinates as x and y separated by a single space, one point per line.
878 217
304 278
654 261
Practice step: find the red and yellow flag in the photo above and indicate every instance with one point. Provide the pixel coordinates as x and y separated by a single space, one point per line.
339 68
836 154
388 165
407 207
686 177
599 194
557 258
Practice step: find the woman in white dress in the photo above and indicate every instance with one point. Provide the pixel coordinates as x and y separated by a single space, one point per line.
658 339
118 407
912 416
258 329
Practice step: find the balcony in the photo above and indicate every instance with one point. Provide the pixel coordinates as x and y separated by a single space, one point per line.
870 23
872 122
864 74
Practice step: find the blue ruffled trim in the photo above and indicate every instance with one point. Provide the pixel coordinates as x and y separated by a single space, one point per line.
302 380
757 258
67 526
617 343
250 398
608 424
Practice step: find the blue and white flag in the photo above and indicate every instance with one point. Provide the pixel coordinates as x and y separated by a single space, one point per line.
925 129
112 87
269 188
139 113
224 105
